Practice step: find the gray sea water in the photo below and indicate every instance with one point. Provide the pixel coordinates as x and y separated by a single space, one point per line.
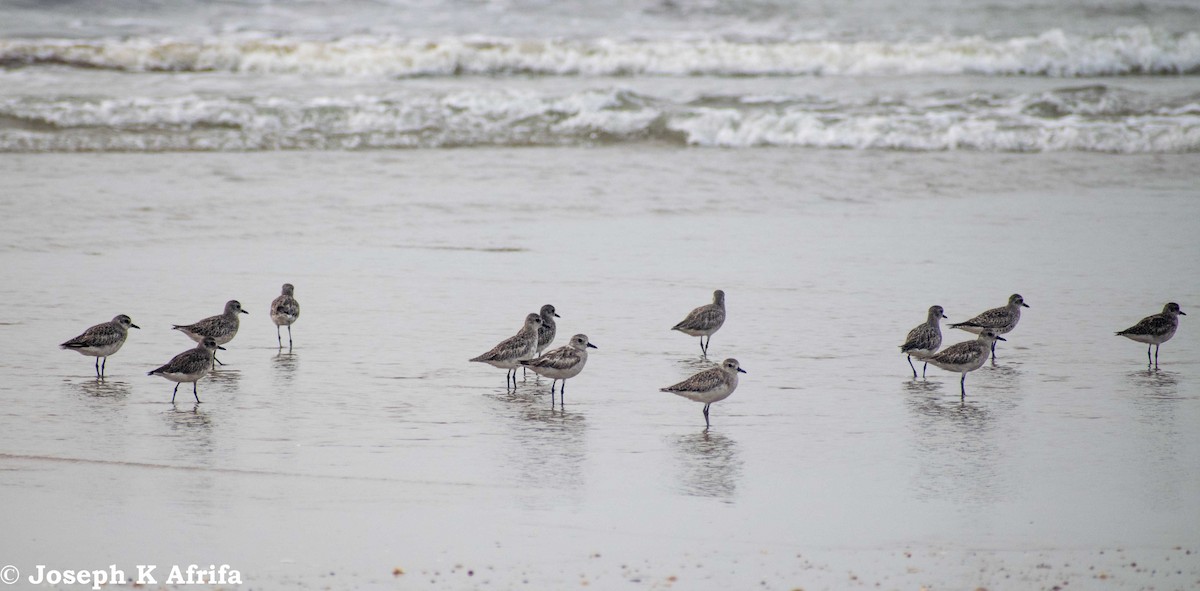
427 173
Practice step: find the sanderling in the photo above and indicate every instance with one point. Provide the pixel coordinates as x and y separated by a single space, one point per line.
561 363
284 311
966 356
1000 320
704 321
189 366
1155 330
709 386
925 339
510 351
222 328
103 340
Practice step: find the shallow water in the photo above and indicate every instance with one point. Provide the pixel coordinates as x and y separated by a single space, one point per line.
373 445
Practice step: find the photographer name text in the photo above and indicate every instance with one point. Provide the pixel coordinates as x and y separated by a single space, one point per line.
147 574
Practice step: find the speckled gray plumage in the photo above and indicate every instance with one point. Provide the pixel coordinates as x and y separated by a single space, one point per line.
926 337
1002 320
1156 328
285 309
706 319
222 327
547 330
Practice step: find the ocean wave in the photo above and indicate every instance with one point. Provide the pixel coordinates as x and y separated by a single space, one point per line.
1132 51
1089 118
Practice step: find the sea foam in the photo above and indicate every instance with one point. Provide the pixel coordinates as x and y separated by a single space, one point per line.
1138 50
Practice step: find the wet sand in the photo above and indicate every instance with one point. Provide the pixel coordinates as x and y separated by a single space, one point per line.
374 446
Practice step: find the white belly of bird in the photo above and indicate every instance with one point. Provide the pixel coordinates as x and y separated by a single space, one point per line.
709 396
1152 339
559 374
920 353
185 377
698 333
102 351
965 367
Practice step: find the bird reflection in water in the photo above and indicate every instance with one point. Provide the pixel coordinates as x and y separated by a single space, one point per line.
285 364
957 444
191 431
709 465
1156 383
104 389
546 448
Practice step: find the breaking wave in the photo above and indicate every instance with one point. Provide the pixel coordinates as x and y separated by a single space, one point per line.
1133 51
1089 118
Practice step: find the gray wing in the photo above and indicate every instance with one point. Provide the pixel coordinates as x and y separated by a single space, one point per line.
509 348
285 305
701 382
994 318
1155 325
922 337
702 318
959 353
209 327
560 358
96 336
189 361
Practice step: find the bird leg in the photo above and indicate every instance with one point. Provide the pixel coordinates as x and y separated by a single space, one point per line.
923 368
706 423
912 366
176 391
289 337
194 393
963 385
279 337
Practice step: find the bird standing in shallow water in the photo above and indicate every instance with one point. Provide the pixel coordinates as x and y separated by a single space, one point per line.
510 351
1155 330
222 327
709 386
284 311
704 321
1000 320
967 356
102 340
189 366
562 363
925 339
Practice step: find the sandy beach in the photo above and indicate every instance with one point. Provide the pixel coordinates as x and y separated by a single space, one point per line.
373 456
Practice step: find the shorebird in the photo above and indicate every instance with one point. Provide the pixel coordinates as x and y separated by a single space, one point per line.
709 386
102 340
704 321
925 339
510 351
222 327
562 363
189 366
1001 320
284 311
967 356
1155 330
